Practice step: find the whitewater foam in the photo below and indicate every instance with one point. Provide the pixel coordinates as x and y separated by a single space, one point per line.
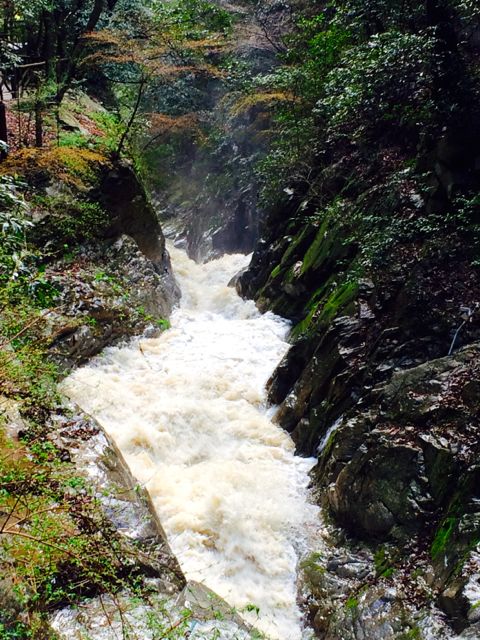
188 411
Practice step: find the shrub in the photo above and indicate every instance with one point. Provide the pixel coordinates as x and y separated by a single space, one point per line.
70 221
383 85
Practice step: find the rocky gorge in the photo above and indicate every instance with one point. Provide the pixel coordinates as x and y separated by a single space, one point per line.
345 154
379 384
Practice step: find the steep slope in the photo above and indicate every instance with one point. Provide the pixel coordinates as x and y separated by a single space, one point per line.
374 256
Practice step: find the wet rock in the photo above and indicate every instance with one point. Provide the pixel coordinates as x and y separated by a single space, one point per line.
318 392
440 465
107 260
350 601
389 472
196 612
473 633
111 292
130 212
380 487
233 282
349 567
70 122
206 605
126 504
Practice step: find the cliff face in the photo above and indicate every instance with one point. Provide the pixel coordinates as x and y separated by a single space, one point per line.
382 286
102 247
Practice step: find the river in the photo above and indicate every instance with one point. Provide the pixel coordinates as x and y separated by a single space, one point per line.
188 411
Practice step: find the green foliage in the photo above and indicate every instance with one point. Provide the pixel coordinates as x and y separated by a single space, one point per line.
73 139
338 300
48 517
468 10
382 221
11 198
112 128
24 370
443 536
114 284
191 20
69 221
20 274
312 564
15 631
13 227
366 72
157 60
44 93
414 633
163 323
383 563
464 219
367 17
312 52
386 82
154 164
325 306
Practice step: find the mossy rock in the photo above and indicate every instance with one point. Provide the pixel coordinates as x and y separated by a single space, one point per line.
67 221
323 311
75 168
458 533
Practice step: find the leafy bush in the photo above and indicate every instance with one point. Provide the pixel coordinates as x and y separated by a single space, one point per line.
367 17
21 277
111 127
385 85
194 19
46 538
73 139
312 51
14 254
69 221
13 208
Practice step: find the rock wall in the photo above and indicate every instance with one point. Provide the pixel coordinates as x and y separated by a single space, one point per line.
380 384
110 268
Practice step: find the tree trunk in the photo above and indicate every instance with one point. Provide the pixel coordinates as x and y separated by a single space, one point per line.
38 125
48 52
3 130
76 51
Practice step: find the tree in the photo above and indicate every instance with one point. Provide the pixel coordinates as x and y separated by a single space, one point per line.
51 33
162 44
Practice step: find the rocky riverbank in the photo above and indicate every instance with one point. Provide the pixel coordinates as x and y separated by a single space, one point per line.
380 384
75 523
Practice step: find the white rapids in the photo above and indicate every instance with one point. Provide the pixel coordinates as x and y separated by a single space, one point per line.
188 411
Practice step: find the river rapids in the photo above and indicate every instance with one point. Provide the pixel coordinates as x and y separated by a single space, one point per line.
188 411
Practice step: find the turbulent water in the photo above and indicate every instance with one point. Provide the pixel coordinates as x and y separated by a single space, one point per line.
187 409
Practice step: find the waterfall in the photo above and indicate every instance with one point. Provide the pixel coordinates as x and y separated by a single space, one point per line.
188 411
